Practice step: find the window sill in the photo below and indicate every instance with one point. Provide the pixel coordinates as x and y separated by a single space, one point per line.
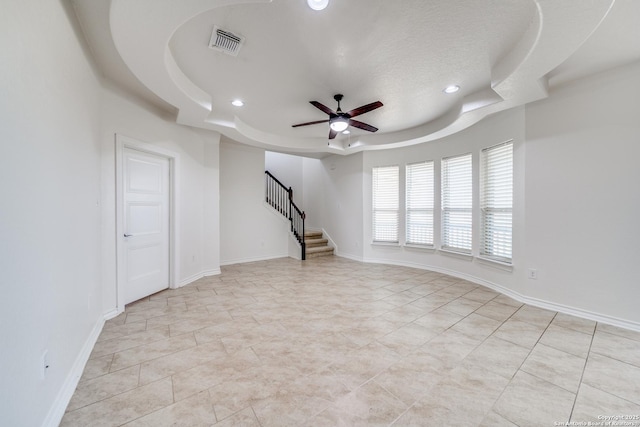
501 265
420 247
392 244
454 254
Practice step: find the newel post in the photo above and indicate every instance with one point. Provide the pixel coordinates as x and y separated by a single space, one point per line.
290 207
304 244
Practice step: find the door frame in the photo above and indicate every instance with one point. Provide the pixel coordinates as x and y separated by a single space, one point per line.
122 142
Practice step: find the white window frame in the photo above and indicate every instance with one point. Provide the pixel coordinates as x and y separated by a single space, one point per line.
457 204
385 189
419 204
496 202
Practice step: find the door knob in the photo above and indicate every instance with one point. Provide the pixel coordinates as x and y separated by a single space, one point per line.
128 235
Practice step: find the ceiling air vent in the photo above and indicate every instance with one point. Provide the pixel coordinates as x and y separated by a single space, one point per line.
225 41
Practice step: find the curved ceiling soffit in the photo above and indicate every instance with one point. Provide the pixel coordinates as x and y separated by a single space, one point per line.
518 78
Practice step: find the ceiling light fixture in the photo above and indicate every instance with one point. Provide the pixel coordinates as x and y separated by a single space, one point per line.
339 124
237 102
451 89
318 4
346 132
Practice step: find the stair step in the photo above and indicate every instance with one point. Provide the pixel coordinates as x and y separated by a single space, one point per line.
319 251
316 244
313 243
312 235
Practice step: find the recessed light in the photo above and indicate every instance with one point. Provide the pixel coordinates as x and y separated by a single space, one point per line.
346 132
451 89
318 4
237 102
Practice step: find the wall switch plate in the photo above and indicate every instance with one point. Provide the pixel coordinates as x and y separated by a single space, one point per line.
532 273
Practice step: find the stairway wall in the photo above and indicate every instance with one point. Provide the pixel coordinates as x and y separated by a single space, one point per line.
313 191
250 230
305 176
342 207
289 170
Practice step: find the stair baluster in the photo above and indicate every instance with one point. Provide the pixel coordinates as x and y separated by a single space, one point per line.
280 198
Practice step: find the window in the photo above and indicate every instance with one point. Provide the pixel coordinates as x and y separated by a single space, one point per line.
385 203
457 201
419 207
496 201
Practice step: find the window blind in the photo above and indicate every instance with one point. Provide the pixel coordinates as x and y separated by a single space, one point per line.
419 203
385 203
457 201
496 202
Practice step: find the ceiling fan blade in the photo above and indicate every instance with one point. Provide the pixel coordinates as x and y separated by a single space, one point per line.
323 108
332 134
360 125
364 109
310 123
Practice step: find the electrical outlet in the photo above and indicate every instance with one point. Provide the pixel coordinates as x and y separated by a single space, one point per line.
532 273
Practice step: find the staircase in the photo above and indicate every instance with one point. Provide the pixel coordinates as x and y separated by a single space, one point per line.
312 243
316 244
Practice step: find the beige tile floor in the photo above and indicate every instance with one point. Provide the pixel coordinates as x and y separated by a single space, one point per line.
333 342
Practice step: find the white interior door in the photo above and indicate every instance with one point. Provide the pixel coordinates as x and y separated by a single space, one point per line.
145 224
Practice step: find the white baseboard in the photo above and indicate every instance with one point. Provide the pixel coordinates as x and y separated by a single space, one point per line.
253 259
349 256
190 279
111 314
198 276
214 272
548 305
585 314
56 412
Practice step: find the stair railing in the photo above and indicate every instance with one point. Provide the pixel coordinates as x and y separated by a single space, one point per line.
280 198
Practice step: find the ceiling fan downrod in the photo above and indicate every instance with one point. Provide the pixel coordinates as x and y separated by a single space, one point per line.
338 98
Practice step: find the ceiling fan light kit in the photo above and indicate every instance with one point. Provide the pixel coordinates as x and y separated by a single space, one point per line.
339 124
318 4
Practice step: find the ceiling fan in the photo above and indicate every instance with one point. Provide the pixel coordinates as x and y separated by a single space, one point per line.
339 121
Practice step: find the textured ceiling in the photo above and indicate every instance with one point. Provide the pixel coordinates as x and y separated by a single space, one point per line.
403 52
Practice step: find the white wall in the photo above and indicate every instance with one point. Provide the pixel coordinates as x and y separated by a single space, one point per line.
583 194
343 203
288 170
49 213
211 214
250 229
313 190
198 182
